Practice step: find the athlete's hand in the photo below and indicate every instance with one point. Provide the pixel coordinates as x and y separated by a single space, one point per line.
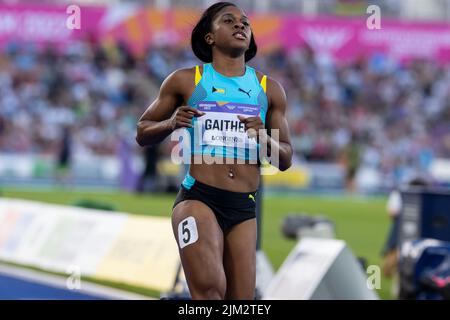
253 125
182 117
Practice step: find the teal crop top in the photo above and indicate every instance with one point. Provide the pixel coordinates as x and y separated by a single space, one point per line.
219 132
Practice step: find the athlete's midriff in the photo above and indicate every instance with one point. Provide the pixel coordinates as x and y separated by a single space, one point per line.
220 128
245 176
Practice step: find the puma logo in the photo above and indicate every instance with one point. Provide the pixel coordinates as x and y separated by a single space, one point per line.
246 92
250 196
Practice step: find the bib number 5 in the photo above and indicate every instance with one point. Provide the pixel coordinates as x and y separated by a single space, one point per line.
187 232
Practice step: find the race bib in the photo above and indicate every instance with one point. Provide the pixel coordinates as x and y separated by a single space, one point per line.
220 125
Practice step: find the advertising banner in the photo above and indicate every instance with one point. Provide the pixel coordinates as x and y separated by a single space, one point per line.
48 23
340 38
113 246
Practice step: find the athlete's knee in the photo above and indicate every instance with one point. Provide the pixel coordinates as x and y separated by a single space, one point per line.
241 295
212 289
212 293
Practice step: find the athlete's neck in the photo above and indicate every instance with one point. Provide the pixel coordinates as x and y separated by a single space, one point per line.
230 67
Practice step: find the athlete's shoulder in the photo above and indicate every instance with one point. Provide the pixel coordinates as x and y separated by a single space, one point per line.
189 72
181 75
274 87
181 79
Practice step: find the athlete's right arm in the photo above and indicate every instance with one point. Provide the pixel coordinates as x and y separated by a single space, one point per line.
165 114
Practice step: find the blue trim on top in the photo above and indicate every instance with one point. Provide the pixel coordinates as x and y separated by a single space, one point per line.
188 181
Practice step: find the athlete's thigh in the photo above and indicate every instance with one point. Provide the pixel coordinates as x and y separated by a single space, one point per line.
200 242
240 260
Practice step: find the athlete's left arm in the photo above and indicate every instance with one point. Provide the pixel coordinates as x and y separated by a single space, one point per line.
275 120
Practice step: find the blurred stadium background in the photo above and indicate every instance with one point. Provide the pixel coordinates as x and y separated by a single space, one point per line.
369 110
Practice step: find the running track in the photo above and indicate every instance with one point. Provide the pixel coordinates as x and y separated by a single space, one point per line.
17 283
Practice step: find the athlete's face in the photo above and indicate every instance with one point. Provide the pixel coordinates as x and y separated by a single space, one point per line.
230 29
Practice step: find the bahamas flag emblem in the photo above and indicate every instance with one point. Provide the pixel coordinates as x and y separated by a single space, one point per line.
214 89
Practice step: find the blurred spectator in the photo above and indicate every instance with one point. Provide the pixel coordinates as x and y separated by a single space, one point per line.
351 161
148 180
64 156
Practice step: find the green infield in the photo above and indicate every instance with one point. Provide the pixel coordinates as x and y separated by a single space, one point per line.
361 221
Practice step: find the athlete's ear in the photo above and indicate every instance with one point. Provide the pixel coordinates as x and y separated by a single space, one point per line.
209 38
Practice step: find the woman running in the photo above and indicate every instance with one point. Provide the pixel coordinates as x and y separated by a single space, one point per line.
222 104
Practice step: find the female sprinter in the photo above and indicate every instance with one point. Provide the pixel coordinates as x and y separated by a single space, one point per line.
213 218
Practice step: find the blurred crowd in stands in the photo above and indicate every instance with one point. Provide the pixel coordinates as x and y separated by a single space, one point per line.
376 112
